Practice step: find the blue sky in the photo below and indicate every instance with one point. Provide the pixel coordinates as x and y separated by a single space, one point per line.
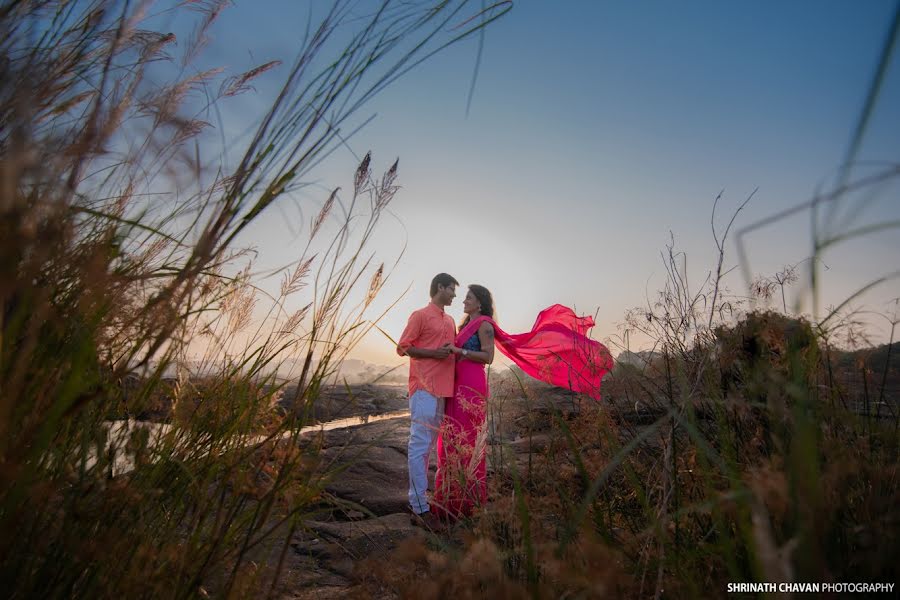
596 129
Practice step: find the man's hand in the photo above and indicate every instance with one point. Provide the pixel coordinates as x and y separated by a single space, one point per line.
442 352
435 353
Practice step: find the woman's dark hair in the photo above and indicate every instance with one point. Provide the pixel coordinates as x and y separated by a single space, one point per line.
483 295
441 279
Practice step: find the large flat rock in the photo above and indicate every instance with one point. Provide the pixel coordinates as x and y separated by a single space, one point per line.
333 550
374 477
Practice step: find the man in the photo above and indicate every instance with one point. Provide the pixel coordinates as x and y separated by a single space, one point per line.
427 339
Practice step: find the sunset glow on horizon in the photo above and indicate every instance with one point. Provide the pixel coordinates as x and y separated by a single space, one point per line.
598 133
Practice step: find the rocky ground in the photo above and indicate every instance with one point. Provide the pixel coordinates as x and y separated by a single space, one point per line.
340 402
324 558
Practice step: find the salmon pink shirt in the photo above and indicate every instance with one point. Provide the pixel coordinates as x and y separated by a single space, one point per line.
429 328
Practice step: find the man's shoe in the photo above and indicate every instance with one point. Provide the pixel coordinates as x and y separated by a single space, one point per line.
428 520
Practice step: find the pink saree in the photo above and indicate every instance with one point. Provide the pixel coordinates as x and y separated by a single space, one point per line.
460 483
556 350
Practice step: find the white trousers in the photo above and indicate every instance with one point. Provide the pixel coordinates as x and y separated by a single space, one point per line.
426 413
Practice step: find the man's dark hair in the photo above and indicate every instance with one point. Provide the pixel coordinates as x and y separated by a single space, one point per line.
441 279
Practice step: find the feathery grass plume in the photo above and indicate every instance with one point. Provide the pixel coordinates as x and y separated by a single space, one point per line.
153 45
323 213
164 105
186 129
363 174
294 321
297 279
238 84
241 310
210 10
375 284
386 188
67 105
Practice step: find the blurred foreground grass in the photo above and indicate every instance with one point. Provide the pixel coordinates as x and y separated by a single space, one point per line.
117 252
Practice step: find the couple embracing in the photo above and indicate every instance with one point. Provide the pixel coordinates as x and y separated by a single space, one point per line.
448 388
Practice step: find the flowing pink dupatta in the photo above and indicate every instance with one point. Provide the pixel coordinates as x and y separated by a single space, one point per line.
556 350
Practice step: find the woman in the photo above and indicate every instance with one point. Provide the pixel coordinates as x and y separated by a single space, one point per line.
556 350
461 480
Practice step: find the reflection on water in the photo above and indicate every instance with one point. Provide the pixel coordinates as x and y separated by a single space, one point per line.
119 432
354 421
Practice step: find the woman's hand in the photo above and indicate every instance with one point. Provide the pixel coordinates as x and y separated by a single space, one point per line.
456 350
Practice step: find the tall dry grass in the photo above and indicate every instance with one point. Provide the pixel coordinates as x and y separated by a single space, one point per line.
118 250
744 446
728 453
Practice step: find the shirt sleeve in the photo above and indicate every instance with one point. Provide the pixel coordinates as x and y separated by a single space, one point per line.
410 334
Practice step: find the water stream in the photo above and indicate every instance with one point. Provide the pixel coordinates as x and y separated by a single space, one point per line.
119 432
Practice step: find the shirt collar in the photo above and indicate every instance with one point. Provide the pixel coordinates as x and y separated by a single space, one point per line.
434 306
